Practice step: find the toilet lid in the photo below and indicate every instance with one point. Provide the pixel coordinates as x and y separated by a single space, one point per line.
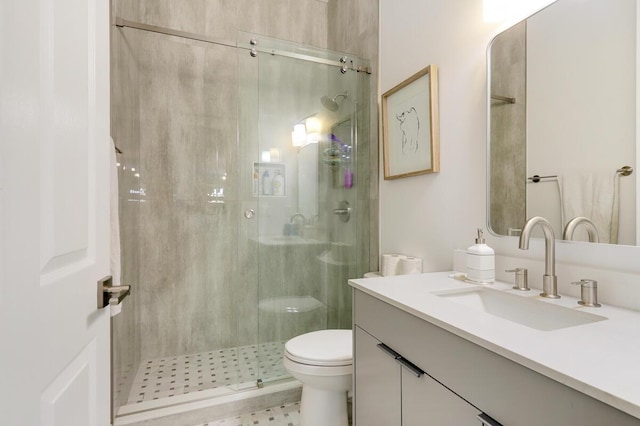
324 347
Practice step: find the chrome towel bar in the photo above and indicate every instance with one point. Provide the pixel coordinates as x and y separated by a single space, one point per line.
623 171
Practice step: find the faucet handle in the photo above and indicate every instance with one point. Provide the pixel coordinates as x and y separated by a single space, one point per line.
588 293
521 279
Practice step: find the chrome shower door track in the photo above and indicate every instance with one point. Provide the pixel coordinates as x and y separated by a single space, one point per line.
123 23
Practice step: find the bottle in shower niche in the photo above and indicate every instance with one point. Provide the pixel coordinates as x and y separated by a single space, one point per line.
255 189
278 184
266 183
481 264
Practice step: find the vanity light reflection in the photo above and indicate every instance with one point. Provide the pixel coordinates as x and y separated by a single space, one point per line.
511 10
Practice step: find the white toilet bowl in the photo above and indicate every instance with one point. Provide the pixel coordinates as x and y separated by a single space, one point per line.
323 362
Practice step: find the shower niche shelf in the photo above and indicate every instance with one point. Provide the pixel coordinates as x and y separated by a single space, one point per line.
258 185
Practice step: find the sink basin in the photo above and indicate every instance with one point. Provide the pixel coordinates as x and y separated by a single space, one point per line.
523 310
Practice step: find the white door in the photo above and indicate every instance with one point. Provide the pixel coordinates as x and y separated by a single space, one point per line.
54 141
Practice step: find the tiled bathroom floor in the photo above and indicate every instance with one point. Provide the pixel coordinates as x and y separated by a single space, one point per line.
166 377
284 415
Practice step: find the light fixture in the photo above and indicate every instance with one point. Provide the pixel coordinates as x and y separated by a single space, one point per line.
299 135
313 127
306 131
275 154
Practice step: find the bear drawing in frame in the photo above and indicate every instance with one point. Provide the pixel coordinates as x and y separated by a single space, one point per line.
410 126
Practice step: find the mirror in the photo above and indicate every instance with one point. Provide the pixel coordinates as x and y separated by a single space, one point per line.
562 88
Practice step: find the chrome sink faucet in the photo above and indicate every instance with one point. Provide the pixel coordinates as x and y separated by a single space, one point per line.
549 279
571 226
298 221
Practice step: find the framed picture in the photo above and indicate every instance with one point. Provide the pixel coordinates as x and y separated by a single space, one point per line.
410 135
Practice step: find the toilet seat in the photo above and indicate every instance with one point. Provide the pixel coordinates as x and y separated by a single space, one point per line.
324 348
294 367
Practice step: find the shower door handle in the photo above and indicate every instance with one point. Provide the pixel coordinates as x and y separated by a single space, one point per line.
250 213
111 294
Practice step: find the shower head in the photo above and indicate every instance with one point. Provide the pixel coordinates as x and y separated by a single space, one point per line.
331 103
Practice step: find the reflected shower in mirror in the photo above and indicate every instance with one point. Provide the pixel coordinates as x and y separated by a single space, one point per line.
562 120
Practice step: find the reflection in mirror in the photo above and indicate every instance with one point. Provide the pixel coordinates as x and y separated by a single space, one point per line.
562 120
308 180
334 153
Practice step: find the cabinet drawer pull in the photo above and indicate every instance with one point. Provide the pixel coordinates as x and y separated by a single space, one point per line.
403 361
389 351
487 421
415 370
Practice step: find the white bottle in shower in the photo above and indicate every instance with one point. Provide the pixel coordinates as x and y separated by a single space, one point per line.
278 184
266 183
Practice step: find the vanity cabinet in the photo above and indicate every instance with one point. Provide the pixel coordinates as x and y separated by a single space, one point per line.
392 391
461 379
378 375
425 401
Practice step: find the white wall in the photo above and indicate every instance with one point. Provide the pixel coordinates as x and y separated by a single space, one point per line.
430 215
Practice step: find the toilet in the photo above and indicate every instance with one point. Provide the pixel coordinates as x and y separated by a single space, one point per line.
323 362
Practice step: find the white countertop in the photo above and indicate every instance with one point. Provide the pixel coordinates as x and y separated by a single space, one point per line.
600 359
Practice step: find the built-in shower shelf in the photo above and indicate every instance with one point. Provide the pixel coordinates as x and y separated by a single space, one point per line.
258 185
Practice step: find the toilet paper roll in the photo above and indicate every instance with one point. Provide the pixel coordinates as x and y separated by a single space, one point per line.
409 265
389 264
114 307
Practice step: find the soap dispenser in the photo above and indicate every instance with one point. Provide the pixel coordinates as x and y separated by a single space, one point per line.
481 264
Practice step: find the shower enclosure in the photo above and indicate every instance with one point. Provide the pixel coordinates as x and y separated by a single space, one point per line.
243 207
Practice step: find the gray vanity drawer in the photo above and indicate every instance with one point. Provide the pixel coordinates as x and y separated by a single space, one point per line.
509 392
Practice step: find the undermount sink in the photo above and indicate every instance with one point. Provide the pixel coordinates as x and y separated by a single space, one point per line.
523 310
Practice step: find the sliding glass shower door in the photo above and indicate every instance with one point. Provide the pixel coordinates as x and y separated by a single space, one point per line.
243 207
299 186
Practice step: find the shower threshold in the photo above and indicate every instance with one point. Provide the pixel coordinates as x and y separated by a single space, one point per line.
206 406
171 381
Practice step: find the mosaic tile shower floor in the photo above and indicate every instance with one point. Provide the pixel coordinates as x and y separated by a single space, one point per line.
166 377
284 415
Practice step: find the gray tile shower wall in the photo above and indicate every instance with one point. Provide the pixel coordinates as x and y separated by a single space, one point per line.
188 115
175 115
353 28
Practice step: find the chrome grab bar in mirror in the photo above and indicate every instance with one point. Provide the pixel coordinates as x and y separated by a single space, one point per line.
623 171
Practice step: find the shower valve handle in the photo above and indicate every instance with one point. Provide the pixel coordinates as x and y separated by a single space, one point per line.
343 211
